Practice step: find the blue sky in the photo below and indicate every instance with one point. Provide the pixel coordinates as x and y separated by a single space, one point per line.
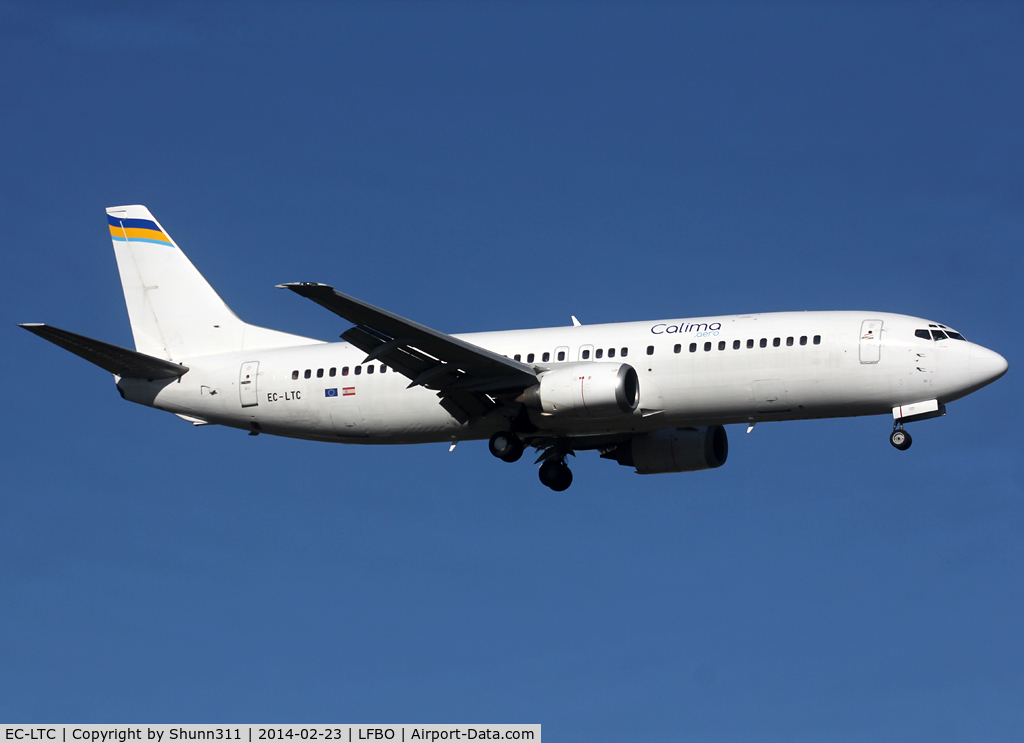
488 166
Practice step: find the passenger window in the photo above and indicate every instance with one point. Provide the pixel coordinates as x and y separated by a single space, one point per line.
735 345
721 345
586 354
923 334
369 369
344 371
295 374
611 353
529 358
707 346
803 340
623 351
777 342
817 340
789 341
333 372
518 357
383 368
561 355
319 373
750 342
359 370
693 348
677 348
546 356
938 335
599 353
764 343
307 374
650 350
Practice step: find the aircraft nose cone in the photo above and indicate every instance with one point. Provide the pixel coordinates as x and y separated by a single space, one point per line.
986 366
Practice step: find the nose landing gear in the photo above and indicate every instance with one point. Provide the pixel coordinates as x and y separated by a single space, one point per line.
900 438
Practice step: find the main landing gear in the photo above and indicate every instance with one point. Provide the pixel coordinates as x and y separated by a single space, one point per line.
506 446
900 438
556 475
554 472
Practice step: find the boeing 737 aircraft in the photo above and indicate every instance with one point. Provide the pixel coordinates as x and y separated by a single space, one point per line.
649 395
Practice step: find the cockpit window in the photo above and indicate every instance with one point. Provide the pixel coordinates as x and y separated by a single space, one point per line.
939 335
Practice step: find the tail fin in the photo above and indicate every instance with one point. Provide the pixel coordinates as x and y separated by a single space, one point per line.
175 314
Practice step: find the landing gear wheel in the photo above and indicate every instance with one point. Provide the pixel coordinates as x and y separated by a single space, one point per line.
556 475
506 446
900 439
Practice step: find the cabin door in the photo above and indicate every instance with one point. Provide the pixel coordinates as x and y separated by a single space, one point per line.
870 341
247 384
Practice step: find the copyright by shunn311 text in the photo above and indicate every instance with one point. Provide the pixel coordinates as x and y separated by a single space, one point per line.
260 733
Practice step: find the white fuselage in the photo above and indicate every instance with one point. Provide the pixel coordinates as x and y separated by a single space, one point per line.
787 366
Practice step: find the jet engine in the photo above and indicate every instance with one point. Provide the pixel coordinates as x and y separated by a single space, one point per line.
673 450
593 390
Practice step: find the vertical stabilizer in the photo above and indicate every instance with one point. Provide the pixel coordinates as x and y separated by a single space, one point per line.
174 312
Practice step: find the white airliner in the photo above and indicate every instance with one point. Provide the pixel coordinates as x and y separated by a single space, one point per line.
650 395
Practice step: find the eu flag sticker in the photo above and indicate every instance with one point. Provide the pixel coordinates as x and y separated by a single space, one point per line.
331 392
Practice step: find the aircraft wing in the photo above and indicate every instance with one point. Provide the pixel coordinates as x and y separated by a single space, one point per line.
116 360
469 379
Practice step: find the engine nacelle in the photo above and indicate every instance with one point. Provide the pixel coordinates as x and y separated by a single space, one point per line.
673 450
592 390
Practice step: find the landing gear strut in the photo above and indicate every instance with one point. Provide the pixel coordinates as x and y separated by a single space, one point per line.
556 475
554 472
900 438
506 446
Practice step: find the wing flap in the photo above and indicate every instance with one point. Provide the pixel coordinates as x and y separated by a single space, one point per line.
387 326
465 375
402 358
114 359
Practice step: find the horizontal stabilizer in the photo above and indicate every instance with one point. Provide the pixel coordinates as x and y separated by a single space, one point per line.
114 359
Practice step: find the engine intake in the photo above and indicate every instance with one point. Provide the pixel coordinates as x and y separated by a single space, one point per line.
593 390
673 450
